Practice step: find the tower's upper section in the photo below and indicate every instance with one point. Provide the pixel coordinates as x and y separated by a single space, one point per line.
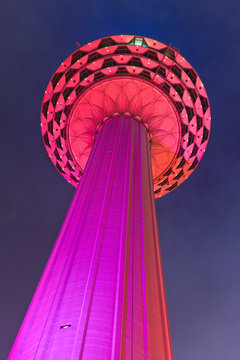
134 76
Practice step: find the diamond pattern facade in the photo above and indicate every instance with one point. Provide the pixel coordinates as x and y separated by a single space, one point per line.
135 58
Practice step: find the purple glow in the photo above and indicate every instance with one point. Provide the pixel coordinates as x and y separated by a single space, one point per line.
101 295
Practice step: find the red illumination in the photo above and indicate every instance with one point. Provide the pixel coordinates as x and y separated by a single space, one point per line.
95 72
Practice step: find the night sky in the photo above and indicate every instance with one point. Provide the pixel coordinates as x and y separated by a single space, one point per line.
198 222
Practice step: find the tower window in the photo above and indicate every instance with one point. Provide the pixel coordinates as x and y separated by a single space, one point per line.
138 41
65 326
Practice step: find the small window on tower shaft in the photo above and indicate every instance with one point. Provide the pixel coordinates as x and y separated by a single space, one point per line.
65 326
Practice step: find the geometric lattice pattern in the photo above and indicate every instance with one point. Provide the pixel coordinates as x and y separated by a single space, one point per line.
140 59
132 98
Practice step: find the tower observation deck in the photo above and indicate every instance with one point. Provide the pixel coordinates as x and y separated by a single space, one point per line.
124 119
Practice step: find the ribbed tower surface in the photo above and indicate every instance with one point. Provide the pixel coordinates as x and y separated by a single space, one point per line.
124 119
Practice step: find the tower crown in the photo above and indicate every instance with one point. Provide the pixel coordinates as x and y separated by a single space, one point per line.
134 76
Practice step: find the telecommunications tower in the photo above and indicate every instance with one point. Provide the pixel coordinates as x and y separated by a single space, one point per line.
124 119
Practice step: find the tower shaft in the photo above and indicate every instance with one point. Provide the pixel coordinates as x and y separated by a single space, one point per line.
102 294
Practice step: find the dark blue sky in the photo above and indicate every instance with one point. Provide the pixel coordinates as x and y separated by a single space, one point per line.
198 222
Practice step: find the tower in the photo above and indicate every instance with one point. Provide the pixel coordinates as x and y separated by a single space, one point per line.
124 119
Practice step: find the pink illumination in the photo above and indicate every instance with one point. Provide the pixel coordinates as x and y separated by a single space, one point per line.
126 96
102 294
124 119
134 76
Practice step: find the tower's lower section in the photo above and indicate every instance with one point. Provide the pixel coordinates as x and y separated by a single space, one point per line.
102 295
